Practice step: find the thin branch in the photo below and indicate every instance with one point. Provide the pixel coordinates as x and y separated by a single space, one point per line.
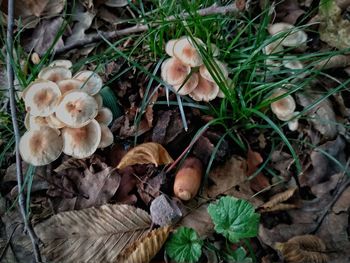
10 78
92 38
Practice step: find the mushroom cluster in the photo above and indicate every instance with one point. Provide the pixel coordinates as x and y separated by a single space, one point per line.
295 38
186 72
65 113
284 108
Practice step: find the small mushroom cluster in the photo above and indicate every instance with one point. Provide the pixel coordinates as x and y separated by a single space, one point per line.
181 70
65 113
295 38
284 108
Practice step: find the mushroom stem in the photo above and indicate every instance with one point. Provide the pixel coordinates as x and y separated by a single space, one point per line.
188 179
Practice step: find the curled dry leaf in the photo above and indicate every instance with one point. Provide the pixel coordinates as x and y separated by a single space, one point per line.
276 202
259 181
306 248
146 153
144 249
92 234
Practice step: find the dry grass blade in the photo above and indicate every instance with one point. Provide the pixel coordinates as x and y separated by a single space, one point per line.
93 234
306 248
276 202
144 154
143 250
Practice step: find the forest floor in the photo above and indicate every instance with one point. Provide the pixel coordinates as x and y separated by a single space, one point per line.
176 131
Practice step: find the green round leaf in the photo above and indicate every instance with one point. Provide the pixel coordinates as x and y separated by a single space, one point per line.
184 246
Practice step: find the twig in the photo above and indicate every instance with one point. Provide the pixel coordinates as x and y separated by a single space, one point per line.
92 38
10 78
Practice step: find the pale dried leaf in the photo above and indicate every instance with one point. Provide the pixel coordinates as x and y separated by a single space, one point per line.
276 201
71 163
116 3
92 234
143 250
25 8
306 248
146 153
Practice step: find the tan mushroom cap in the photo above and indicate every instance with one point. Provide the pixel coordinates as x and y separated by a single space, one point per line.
92 81
284 107
169 47
99 100
190 84
104 116
41 98
206 74
273 48
81 142
76 109
41 146
186 51
34 122
295 37
205 90
215 50
55 74
54 122
292 63
64 63
174 72
106 136
66 85
229 86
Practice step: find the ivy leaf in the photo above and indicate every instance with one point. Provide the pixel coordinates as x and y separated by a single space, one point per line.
184 245
234 218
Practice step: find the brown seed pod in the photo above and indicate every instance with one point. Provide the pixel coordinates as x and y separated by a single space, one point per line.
188 179
300 249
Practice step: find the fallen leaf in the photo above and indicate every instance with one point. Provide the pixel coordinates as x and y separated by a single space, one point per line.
160 128
93 234
306 248
164 211
276 202
146 153
124 194
149 187
44 35
144 249
289 11
259 181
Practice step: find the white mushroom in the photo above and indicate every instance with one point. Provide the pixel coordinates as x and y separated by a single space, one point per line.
106 136
64 63
66 85
76 109
54 122
55 74
169 47
284 107
174 72
206 74
92 81
189 85
99 100
294 36
104 116
186 51
41 146
205 90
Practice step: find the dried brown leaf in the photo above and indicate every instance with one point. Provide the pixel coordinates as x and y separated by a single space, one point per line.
305 248
93 234
276 201
144 249
259 182
146 153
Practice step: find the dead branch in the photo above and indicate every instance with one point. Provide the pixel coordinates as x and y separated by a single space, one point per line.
92 38
10 79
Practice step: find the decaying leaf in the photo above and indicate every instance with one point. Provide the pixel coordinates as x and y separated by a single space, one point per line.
276 202
92 234
144 154
259 181
144 249
306 248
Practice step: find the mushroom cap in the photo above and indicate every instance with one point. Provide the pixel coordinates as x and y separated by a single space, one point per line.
215 50
104 116
205 90
229 86
106 136
92 81
81 142
206 74
55 74
185 50
273 48
169 47
99 100
174 72
41 97
64 63
284 107
190 84
34 122
292 63
293 125
54 122
66 85
294 38
41 146
76 109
